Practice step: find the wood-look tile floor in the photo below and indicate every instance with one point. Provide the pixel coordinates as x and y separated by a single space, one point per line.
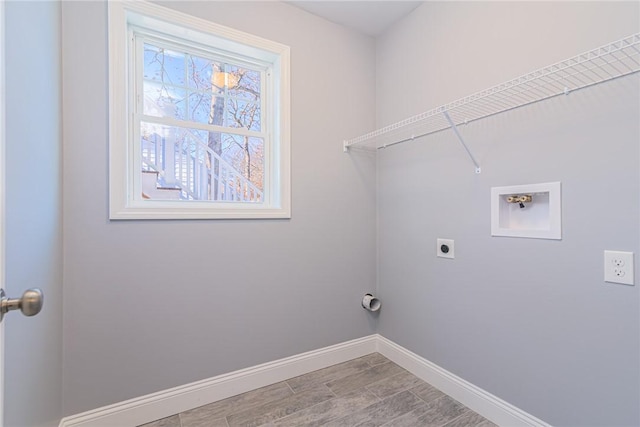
368 391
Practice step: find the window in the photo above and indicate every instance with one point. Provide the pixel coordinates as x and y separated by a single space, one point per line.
198 118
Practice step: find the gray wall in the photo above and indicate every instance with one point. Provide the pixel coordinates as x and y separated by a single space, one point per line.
528 320
33 346
156 304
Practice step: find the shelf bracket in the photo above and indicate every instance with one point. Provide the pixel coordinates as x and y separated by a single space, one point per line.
455 130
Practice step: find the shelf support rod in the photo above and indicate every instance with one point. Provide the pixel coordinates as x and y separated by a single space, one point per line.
455 130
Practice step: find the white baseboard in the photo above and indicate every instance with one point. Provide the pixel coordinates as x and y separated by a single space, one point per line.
178 399
484 403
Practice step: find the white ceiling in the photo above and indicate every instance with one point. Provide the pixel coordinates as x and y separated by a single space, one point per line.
368 17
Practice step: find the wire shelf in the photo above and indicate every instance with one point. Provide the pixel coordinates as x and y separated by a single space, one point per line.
614 60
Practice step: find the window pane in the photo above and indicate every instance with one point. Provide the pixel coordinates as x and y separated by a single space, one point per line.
205 108
246 154
247 83
242 114
152 139
163 101
191 164
204 75
163 65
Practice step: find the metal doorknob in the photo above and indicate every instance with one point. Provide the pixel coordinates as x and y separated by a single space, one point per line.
30 303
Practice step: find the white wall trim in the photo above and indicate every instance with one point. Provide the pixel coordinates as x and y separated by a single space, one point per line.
162 404
178 399
484 403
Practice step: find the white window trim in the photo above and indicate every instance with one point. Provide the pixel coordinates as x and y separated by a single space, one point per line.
122 204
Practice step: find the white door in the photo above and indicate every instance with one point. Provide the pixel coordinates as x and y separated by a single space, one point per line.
2 134
30 248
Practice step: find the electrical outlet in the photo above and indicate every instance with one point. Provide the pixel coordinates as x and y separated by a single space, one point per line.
618 267
444 248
